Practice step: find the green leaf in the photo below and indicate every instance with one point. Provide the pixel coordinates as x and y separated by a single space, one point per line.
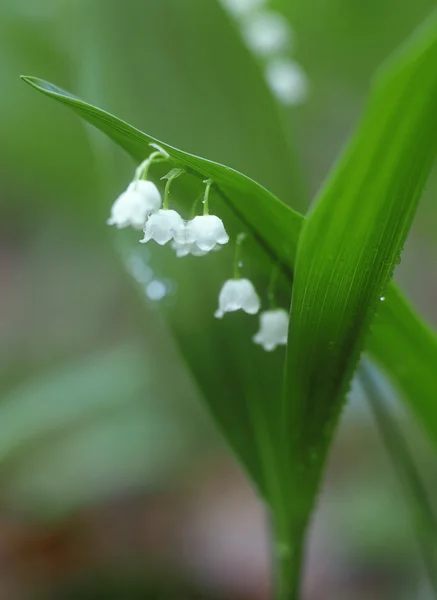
351 243
422 512
263 215
409 349
253 205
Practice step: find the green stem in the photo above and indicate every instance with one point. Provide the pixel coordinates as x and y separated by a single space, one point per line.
170 177
195 205
237 256
271 292
143 170
209 183
287 555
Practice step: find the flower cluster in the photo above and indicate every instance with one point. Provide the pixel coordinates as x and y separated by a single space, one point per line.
140 206
269 36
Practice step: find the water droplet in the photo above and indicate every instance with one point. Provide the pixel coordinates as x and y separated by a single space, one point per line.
240 264
382 298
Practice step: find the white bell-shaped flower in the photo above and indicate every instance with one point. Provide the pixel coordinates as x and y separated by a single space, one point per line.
164 226
206 232
237 294
273 330
133 206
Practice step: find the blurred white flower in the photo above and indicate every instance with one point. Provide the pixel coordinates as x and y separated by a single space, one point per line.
133 206
237 294
273 329
267 33
164 226
240 8
156 290
206 231
287 81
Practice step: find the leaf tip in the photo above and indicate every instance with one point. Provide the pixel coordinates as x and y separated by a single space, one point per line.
29 79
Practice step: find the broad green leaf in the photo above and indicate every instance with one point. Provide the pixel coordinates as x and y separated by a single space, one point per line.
185 95
254 208
351 243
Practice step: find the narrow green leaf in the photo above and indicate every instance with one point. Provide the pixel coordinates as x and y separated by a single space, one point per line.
423 517
253 204
409 349
351 243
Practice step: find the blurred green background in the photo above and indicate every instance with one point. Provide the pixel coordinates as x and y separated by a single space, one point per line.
113 480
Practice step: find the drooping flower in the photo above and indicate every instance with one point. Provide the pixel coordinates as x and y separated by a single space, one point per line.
273 329
163 226
206 231
237 294
134 205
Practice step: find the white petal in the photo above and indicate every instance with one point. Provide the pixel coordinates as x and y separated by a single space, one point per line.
150 192
207 231
163 226
237 294
186 249
133 206
273 329
180 249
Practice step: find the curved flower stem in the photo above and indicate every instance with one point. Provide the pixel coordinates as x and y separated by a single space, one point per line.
142 170
240 239
195 206
209 183
171 176
271 291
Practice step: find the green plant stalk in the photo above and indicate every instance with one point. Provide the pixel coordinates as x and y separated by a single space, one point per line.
288 553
